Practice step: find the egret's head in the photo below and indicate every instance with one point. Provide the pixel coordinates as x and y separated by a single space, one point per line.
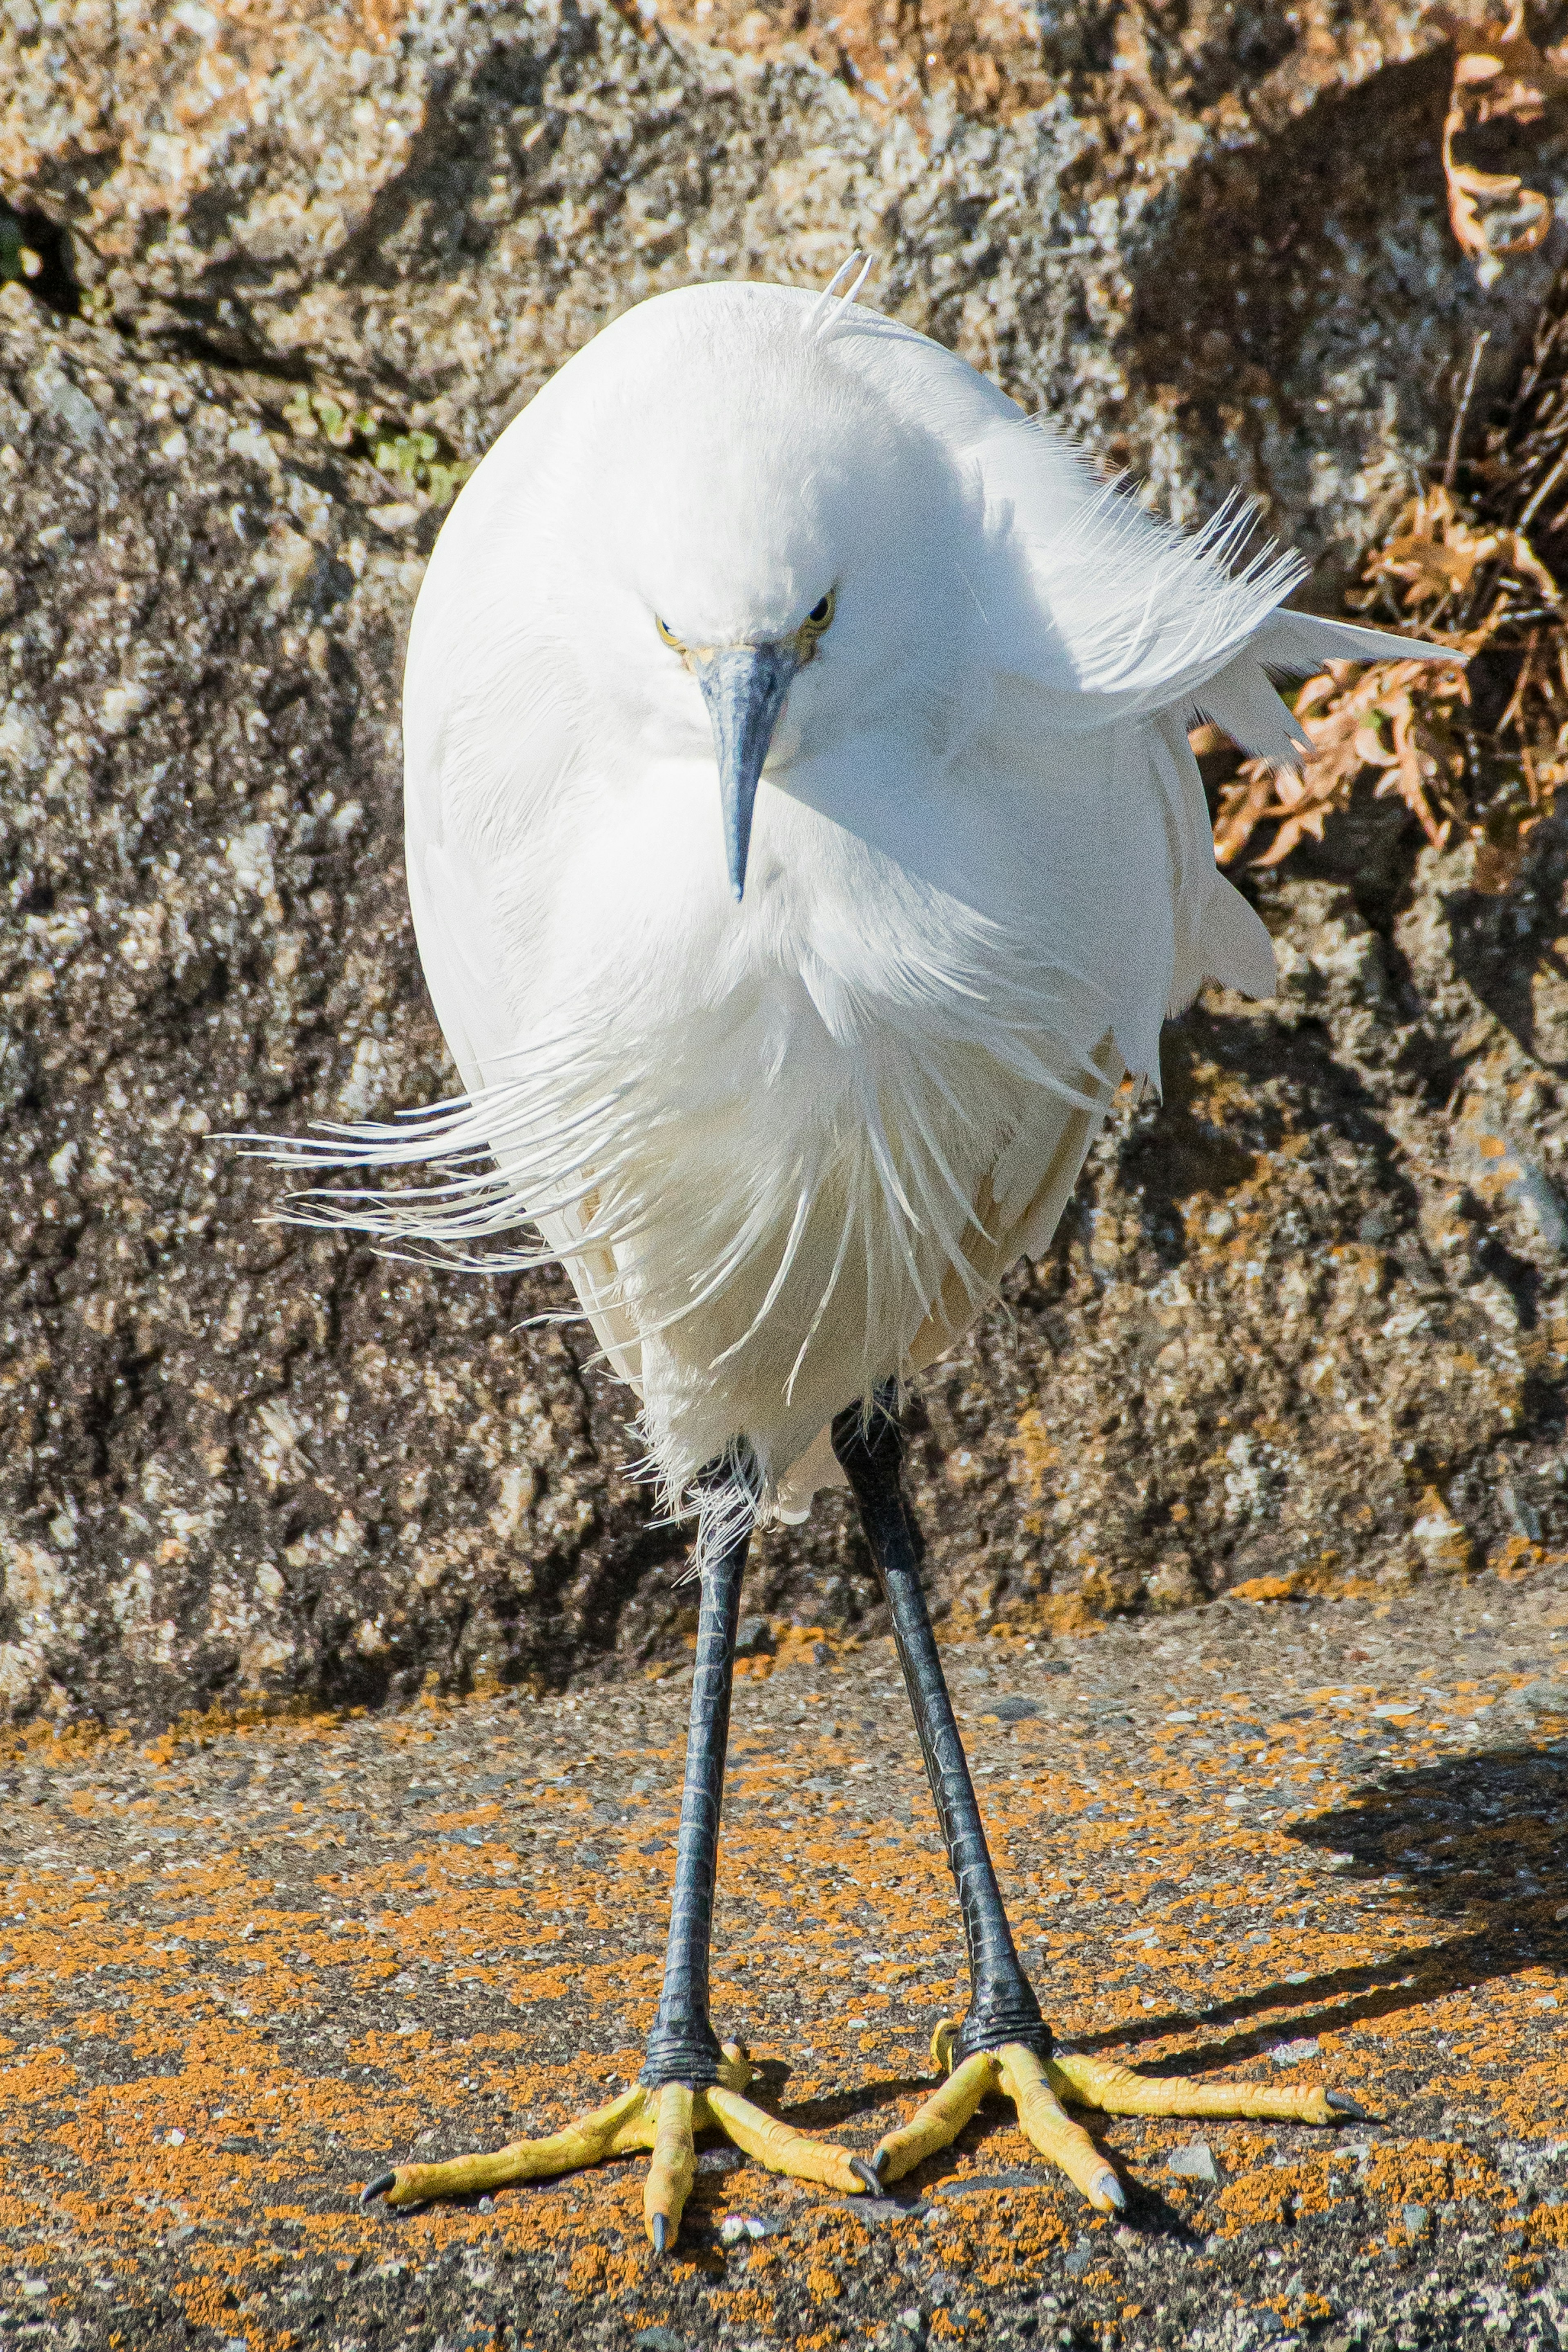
745 686
771 547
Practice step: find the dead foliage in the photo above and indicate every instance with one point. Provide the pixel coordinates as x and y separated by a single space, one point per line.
1385 718
1500 75
1472 566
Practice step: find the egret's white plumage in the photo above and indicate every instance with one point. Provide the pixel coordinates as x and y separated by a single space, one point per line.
786 1148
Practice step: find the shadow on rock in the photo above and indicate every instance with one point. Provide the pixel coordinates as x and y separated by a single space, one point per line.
1234 1096
1506 945
1481 1839
1283 269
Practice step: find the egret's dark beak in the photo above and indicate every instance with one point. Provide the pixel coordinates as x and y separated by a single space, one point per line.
744 688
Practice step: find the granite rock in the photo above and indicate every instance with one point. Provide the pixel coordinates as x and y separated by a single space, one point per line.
234 1456
1305 1320
1213 240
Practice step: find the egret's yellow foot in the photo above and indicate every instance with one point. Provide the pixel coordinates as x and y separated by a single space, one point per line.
1038 2089
666 2121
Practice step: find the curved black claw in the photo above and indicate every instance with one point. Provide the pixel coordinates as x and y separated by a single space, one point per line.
865 2169
376 2188
1343 2105
661 2233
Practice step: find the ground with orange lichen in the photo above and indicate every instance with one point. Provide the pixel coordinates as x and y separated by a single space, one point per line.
246 1964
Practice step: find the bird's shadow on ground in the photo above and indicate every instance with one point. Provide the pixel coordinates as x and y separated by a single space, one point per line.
826 2110
1481 1838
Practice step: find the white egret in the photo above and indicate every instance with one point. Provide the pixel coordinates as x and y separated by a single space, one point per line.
804 842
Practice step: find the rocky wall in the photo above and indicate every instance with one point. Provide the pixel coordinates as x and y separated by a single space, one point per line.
1212 237
1305 1321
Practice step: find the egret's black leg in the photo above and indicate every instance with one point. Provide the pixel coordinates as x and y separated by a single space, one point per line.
688 2082
1001 2005
1004 2044
682 2046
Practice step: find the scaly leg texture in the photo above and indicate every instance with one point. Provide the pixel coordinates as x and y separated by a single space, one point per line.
1004 2043
689 2082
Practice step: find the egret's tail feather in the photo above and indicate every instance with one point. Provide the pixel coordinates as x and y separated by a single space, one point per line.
729 1504
723 1276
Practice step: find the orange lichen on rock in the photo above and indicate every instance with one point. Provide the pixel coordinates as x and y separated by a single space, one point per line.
222 2014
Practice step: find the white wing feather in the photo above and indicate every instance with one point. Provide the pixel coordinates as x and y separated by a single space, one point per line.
1296 644
1240 700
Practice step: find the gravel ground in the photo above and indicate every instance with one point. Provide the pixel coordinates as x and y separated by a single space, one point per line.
246 1964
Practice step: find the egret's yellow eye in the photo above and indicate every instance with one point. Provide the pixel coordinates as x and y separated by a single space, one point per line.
667 635
820 616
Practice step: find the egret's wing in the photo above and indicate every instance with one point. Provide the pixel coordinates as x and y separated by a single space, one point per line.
1216 935
1233 947
480 871
458 949
461 943
1240 700
1296 644
1108 610
1022 1199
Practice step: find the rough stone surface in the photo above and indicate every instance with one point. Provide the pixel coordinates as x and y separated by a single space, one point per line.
234 1454
1213 240
1307 1320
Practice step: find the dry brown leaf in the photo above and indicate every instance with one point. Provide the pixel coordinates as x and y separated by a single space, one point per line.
1436 552
1458 570
1356 720
1500 74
